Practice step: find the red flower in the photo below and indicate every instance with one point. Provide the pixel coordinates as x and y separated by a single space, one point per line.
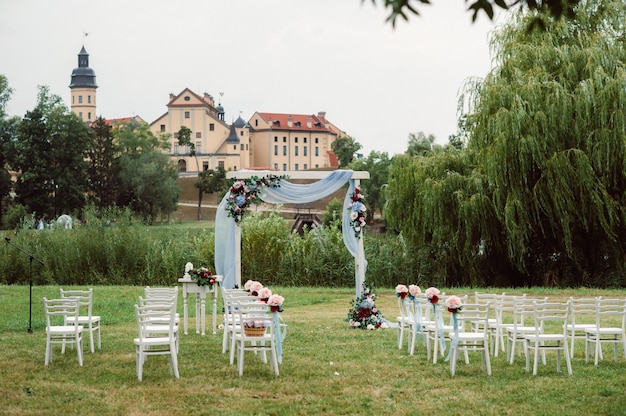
434 299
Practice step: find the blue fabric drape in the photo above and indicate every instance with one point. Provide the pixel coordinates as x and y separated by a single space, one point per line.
288 193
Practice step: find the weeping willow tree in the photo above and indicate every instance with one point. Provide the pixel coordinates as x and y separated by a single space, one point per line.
540 193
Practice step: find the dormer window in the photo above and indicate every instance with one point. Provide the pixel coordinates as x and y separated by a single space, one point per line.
187 98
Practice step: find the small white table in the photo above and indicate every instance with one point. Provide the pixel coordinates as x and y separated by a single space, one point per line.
191 286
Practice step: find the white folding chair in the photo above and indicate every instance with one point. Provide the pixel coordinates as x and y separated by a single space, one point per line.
609 328
159 325
549 334
260 339
471 334
91 323
57 331
436 331
582 315
148 342
523 312
232 324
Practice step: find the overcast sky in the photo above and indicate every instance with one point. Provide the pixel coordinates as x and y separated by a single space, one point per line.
285 56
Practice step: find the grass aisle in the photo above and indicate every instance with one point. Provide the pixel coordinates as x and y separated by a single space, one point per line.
327 368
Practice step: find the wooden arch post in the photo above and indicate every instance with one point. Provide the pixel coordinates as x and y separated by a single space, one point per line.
357 176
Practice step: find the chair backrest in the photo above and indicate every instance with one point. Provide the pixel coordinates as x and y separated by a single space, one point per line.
254 315
407 310
551 317
158 303
611 313
149 315
152 292
474 315
523 309
85 298
57 310
580 307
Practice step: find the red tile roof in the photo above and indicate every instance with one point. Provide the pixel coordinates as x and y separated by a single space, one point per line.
298 122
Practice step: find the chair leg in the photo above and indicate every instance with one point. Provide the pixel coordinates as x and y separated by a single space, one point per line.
174 359
79 348
240 351
487 359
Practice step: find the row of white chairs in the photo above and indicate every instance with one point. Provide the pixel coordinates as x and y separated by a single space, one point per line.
66 319
243 310
515 324
157 327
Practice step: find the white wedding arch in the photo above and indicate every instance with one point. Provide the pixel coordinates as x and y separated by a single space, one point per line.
228 233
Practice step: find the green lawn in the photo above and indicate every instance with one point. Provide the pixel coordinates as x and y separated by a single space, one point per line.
327 368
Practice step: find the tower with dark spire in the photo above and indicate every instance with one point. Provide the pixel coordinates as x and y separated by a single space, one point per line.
83 89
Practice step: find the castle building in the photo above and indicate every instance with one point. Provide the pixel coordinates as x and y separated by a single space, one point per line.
269 141
216 143
83 89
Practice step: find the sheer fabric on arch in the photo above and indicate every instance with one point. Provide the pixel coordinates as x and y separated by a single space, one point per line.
288 193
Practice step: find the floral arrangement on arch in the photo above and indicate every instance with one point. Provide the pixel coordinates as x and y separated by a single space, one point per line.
203 277
357 212
245 192
363 313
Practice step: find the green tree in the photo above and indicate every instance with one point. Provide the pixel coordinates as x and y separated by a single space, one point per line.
8 128
104 169
538 195
420 144
377 164
210 181
147 175
345 148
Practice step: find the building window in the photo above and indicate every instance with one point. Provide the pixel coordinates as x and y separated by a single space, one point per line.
235 147
187 149
182 166
316 140
275 150
275 166
317 166
284 140
317 151
296 166
295 139
275 139
89 99
241 133
220 164
304 150
80 99
284 166
199 147
212 127
176 148
256 123
295 150
72 99
162 128
80 114
305 167
198 135
241 146
176 135
88 116
246 146
305 139
187 114
284 150
205 165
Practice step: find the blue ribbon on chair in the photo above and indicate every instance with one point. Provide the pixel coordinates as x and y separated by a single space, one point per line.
439 323
455 340
279 346
417 322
